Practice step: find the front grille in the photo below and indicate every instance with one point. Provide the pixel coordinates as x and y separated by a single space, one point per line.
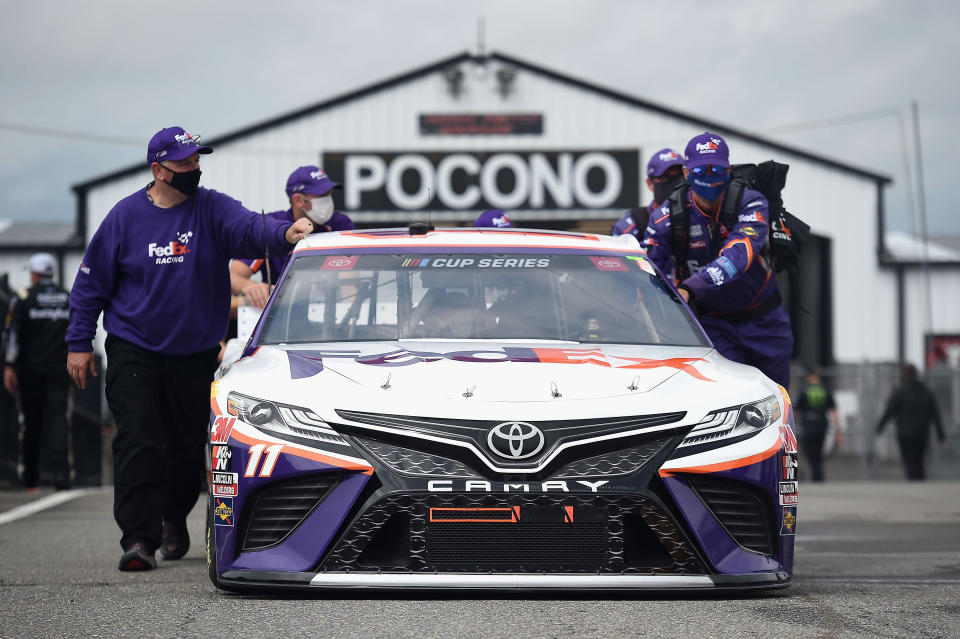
407 461
570 533
613 464
278 509
743 509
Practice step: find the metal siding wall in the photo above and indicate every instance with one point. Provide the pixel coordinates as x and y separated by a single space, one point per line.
837 204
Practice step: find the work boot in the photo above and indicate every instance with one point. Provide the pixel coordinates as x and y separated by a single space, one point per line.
175 541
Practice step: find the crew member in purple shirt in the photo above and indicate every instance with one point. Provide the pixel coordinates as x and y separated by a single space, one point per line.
726 276
664 173
157 268
495 218
310 191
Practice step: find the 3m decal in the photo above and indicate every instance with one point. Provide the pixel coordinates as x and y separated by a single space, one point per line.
220 430
223 511
269 460
788 493
224 484
220 458
789 525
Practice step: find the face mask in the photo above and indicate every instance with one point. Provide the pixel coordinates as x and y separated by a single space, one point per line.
187 182
661 191
709 186
322 209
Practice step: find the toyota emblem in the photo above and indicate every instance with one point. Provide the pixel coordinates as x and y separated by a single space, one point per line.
515 440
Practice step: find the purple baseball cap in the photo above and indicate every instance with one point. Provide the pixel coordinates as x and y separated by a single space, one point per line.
310 180
493 217
173 143
707 148
661 161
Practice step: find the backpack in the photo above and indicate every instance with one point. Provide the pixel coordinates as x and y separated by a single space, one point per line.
787 231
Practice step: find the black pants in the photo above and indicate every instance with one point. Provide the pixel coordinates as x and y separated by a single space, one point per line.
161 406
811 441
43 399
912 449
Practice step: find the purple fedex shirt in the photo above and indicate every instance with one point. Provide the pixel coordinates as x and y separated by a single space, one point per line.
160 276
337 222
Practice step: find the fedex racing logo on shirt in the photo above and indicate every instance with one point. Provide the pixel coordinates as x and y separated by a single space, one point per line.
172 252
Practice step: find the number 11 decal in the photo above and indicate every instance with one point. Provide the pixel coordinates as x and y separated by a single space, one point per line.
269 461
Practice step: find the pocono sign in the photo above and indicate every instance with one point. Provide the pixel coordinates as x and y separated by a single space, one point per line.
468 181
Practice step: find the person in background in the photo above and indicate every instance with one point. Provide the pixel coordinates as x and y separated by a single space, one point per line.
34 354
493 218
817 411
310 193
913 407
664 173
725 276
157 268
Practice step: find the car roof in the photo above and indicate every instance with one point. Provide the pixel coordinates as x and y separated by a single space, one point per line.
468 238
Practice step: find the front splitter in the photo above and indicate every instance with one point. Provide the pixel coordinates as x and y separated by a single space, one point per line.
248 579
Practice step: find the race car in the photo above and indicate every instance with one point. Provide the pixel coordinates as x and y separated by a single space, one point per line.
493 409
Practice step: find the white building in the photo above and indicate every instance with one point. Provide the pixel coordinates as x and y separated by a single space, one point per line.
556 151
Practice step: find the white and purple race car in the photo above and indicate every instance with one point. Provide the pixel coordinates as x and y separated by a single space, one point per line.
493 408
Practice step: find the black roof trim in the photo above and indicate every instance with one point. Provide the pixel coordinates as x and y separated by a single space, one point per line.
463 57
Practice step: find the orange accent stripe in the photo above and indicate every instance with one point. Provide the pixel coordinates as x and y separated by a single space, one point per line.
256 265
661 219
332 461
736 463
741 240
215 407
341 249
584 236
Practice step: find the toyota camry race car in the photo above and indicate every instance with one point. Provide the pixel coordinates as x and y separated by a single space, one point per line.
493 408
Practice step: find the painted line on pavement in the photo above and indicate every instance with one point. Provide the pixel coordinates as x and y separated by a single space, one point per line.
25 510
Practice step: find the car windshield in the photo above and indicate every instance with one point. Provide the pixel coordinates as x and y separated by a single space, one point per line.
566 297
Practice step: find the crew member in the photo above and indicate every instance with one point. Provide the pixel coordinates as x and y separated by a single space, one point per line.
158 270
664 172
495 218
35 351
310 192
726 274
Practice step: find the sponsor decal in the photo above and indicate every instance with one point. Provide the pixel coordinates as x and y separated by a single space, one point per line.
696 230
511 180
338 263
789 466
483 486
214 388
84 268
644 265
789 439
715 274
789 525
172 252
752 217
220 458
788 493
515 440
220 429
319 174
728 267
223 511
608 263
750 231
755 203
224 484
669 155
698 244
593 356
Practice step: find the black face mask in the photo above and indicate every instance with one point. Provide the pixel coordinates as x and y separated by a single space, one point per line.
661 191
187 182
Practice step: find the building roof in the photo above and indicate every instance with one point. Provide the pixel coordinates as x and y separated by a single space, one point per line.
31 236
527 66
906 248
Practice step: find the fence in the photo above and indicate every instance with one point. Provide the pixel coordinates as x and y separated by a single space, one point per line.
861 392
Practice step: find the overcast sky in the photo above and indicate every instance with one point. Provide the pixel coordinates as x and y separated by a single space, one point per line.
116 71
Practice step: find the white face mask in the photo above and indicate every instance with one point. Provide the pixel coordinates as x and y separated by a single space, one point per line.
322 209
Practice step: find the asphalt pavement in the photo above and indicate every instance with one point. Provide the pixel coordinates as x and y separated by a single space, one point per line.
873 559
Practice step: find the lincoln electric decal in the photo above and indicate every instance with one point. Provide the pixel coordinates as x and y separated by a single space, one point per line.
403 357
